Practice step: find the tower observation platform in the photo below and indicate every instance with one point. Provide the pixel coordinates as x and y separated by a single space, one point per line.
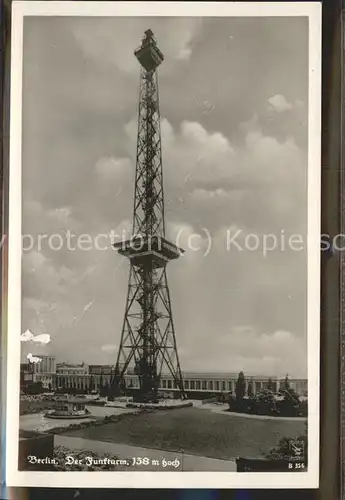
153 250
148 342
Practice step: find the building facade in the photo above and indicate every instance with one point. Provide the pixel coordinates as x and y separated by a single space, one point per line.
27 375
87 378
101 369
99 376
72 369
45 370
46 365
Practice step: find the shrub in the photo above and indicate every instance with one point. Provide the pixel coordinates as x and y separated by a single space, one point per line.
284 449
265 403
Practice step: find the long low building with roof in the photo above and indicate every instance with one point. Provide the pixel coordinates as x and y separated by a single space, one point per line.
97 377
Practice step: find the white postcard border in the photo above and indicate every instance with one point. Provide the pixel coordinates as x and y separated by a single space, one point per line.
134 479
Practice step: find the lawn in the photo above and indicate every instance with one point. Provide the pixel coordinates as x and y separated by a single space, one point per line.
196 432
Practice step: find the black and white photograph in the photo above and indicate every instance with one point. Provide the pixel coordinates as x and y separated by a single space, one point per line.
164 245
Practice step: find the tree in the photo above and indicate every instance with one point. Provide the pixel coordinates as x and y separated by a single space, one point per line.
250 391
240 387
291 395
265 402
285 448
104 391
286 383
290 404
34 388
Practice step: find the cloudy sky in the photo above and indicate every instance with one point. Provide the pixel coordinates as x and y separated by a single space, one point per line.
233 97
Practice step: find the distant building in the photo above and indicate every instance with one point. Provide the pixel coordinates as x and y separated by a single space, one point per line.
101 369
100 376
46 365
70 375
44 370
27 375
46 379
72 369
300 386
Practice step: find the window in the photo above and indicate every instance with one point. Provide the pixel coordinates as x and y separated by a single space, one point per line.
164 384
192 385
169 384
223 386
210 385
217 385
198 385
186 384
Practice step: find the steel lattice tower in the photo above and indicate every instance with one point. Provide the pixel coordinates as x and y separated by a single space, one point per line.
148 343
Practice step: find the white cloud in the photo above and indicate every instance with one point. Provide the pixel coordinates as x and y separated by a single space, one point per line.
33 261
111 169
36 264
200 195
279 103
28 336
194 243
259 181
62 214
193 155
122 231
184 53
44 338
299 104
179 232
40 224
273 354
104 47
109 348
33 359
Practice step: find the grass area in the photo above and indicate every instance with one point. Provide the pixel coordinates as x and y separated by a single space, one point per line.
196 432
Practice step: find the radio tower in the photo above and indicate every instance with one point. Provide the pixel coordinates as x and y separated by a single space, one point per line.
148 343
